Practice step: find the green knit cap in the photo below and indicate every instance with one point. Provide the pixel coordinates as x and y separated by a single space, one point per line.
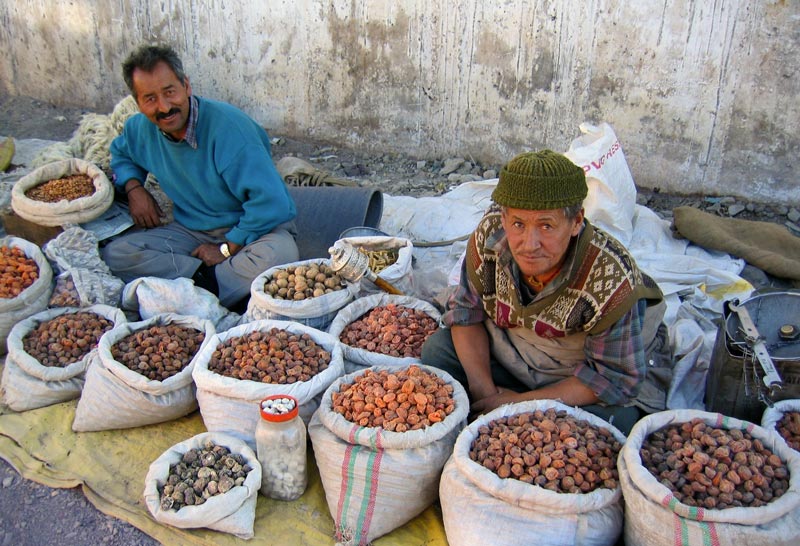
541 180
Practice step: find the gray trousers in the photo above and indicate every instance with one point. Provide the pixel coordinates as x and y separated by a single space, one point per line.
438 351
165 252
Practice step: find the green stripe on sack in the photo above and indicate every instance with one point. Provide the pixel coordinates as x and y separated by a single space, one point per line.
349 490
368 482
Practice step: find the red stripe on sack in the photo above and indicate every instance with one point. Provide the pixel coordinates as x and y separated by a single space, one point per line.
373 490
712 530
343 488
678 531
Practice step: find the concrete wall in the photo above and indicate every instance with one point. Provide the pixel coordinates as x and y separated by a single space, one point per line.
703 95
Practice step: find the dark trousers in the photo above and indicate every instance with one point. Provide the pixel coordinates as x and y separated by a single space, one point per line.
439 352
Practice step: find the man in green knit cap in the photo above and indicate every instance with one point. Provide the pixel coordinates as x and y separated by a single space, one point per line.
550 306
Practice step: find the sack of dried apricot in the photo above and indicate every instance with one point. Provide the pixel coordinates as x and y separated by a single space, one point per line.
26 282
533 469
695 477
384 330
784 418
48 354
381 437
142 373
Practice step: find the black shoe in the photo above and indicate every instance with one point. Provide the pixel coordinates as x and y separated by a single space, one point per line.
206 277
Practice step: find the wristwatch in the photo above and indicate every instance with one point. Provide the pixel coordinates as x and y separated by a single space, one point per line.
223 248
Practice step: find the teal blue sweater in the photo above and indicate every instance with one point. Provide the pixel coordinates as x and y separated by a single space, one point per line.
230 180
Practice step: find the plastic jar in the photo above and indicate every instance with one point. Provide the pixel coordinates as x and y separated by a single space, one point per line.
281 447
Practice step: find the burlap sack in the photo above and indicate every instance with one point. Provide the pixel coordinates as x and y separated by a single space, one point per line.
75 211
26 383
317 312
377 480
31 300
654 517
116 397
479 507
232 405
231 512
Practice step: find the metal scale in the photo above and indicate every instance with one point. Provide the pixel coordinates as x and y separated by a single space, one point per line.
756 359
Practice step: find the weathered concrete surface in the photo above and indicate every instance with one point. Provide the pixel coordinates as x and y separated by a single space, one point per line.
701 94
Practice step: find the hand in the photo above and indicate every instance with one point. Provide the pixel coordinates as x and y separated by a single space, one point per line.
487 404
144 209
209 253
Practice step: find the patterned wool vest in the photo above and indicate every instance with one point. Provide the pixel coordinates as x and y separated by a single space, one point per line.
598 283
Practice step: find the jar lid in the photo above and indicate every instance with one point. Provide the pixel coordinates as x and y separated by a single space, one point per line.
278 408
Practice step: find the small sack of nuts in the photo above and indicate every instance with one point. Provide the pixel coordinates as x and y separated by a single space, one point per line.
702 469
48 354
395 459
26 282
57 193
389 257
142 373
308 292
225 478
384 329
245 364
484 490
784 419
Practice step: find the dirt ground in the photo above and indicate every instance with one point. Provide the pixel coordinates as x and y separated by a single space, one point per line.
32 514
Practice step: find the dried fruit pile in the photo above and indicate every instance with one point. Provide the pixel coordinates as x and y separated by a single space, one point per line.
398 401
17 272
66 338
393 330
202 474
302 282
380 259
158 352
551 449
66 188
789 427
712 467
275 356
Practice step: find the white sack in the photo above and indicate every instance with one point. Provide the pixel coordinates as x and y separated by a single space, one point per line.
151 296
232 405
479 507
116 397
26 383
653 516
77 258
355 357
315 312
377 480
612 193
772 415
31 300
399 274
74 211
232 512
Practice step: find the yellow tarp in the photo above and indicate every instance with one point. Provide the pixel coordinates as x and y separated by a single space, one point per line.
111 466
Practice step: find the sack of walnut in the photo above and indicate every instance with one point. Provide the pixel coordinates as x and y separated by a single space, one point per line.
784 418
375 477
141 373
26 282
480 507
736 483
308 292
245 364
66 202
48 354
384 330
232 511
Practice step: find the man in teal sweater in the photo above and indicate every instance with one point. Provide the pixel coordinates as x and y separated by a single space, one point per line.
234 217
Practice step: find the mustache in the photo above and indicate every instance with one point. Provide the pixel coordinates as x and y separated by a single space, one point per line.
163 115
